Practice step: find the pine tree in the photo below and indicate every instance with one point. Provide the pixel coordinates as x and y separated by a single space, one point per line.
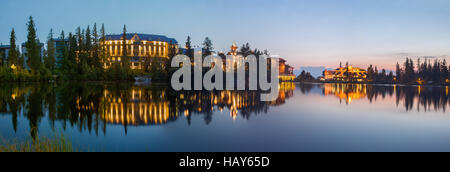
88 39
2 58
444 71
21 61
189 51
172 53
96 49
245 49
33 47
207 47
71 62
13 55
49 60
125 59
79 39
103 51
398 73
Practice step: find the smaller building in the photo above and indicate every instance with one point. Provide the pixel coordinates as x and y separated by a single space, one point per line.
60 44
328 74
286 71
4 51
345 74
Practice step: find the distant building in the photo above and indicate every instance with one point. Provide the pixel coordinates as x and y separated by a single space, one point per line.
59 49
286 71
4 51
139 47
25 53
345 74
328 74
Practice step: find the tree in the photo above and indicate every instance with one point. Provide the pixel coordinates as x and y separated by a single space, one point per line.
305 76
88 39
21 61
444 71
103 54
125 60
370 73
398 72
246 50
2 58
207 47
49 60
33 47
172 53
13 55
409 73
69 61
96 62
189 51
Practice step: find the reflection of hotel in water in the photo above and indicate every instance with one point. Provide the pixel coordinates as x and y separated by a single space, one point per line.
347 92
425 98
144 108
140 109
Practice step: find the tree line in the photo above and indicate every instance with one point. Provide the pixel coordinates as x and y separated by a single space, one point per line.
81 56
430 72
427 72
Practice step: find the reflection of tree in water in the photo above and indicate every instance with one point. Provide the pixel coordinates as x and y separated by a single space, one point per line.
91 107
423 98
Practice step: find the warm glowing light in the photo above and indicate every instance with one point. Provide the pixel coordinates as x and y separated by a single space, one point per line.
13 67
420 81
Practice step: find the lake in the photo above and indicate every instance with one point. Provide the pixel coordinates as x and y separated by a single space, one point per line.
305 117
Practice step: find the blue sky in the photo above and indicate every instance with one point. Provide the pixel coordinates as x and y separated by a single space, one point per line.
305 32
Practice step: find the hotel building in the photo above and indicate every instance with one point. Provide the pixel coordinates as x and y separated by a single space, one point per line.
345 74
59 49
286 72
4 51
25 53
139 47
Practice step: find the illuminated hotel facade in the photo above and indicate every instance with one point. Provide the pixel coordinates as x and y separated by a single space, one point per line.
286 72
345 74
139 47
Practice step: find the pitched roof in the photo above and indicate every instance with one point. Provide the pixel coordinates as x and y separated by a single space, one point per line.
146 37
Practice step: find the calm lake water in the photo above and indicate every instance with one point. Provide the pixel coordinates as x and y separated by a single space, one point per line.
305 117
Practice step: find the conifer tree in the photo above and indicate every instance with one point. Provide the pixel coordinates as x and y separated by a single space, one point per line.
49 60
398 72
125 60
21 61
33 47
95 49
2 58
207 47
103 52
188 46
88 39
13 55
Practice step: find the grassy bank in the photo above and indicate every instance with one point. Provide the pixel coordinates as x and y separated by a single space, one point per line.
44 144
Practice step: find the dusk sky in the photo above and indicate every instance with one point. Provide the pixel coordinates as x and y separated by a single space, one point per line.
305 32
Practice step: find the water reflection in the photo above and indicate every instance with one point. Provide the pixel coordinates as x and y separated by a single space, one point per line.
419 97
91 107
